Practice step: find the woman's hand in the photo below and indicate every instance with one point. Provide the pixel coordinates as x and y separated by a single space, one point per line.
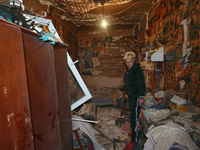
126 96
141 101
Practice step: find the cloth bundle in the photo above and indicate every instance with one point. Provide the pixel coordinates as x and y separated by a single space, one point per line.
162 119
164 136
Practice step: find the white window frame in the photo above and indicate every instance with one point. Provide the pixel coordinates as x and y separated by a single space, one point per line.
82 85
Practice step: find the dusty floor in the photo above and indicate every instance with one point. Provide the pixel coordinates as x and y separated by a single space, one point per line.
106 117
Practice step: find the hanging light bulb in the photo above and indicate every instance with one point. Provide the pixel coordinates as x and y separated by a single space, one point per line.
103 23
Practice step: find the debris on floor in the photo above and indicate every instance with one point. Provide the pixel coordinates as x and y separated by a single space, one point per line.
115 128
107 116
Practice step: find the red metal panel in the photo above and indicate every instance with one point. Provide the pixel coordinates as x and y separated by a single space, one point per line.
15 118
40 67
63 96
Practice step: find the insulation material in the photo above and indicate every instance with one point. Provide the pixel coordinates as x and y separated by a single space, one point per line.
158 55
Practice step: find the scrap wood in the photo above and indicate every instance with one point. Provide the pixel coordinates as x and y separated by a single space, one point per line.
75 119
95 128
174 92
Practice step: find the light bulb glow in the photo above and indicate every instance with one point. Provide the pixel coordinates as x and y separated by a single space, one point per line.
103 23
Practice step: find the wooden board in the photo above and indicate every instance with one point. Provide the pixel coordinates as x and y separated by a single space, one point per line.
15 117
64 104
40 67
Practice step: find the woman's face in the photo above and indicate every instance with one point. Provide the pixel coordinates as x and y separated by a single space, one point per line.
129 63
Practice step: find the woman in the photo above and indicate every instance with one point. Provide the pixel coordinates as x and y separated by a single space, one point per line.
135 90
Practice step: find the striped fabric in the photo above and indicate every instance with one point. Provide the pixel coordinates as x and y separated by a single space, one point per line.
140 122
177 146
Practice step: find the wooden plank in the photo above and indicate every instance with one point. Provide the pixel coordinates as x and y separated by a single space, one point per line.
64 104
40 67
15 117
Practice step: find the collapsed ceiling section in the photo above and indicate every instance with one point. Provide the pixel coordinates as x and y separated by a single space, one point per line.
91 12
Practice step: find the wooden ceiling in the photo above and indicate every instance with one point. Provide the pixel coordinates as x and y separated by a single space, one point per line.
91 12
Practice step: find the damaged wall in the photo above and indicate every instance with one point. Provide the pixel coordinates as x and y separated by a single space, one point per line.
69 35
176 25
101 54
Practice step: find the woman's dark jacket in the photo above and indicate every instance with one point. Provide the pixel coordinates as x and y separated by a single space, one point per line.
134 82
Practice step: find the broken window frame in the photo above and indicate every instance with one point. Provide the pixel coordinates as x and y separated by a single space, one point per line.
82 85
